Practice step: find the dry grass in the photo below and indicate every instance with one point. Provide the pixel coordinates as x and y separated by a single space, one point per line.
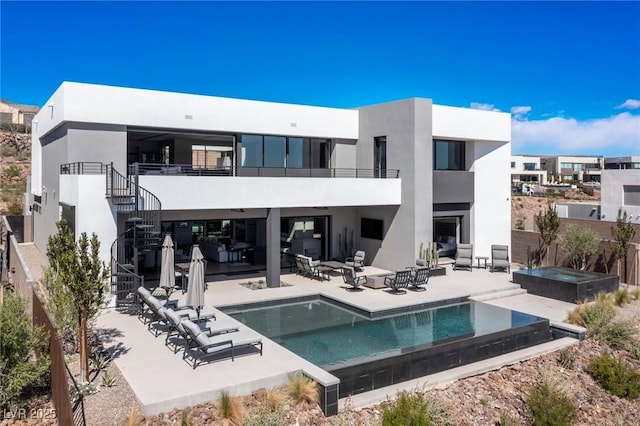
302 389
231 408
135 418
274 399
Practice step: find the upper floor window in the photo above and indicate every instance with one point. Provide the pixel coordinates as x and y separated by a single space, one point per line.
281 151
529 166
448 155
513 164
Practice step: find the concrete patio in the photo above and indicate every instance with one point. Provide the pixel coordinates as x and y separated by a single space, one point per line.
162 380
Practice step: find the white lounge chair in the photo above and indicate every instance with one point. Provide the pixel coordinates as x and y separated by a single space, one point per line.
202 347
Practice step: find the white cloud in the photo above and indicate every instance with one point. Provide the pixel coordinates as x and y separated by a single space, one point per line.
611 136
518 112
629 104
484 107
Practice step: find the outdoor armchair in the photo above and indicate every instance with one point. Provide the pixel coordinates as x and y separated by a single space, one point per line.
464 257
349 276
399 281
419 278
500 258
202 347
309 266
357 261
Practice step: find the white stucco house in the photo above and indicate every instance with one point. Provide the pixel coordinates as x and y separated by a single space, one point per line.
267 178
620 190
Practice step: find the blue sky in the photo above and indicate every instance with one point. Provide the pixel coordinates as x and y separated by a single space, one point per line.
569 72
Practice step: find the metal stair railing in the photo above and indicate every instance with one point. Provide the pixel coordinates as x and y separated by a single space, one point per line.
142 212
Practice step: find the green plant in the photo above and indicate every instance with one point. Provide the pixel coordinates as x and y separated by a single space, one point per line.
621 235
23 374
82 389
615 376
266 417
549 405
567 358
635 351
519 224
60 307
108 379
99 361
622 297
618 334
83 275
409 408
302 389
579 243
548 224
508 419
12 171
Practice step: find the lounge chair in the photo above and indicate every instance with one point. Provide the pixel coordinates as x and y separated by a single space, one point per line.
419 278
500 258
201 346
349 277
399 281
177 332
357 261
464 257
158 317
144 310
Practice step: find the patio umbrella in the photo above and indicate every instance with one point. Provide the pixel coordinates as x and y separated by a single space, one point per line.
167 270
195 283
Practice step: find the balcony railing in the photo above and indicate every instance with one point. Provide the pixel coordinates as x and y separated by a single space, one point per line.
83 168
190 170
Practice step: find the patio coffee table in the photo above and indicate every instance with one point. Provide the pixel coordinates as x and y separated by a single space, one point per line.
332 264
376 281
323 272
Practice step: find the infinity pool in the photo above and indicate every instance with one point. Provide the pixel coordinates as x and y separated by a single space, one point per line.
352 345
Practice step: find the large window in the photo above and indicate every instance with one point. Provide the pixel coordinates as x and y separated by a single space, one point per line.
280 151
448 155
529 166
208 156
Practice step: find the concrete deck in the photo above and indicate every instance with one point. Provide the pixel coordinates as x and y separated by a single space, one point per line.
162 380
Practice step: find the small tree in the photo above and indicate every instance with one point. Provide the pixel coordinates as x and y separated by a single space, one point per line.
578 244
548 224
621 235
20 371
83 275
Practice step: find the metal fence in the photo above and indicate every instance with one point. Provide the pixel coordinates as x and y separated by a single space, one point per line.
68 412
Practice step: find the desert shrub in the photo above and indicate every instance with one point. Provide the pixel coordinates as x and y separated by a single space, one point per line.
265 416
409 408
636 293
635 352
618 334
567 358
302 389
549 405
231 408
273 399
622 297
615 376
12 171
135 418
416 408
508 419
23 374
520 224
187 417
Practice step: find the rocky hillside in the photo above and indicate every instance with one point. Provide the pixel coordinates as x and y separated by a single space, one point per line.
15 166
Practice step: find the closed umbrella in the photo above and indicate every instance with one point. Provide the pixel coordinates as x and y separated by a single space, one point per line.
167 269
195 283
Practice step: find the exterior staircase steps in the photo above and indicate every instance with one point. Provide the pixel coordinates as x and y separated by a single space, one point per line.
498 294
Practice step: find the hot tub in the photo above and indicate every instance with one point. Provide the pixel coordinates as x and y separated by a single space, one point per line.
566 284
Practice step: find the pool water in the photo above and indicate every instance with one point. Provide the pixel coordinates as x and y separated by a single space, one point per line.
563 274
332 336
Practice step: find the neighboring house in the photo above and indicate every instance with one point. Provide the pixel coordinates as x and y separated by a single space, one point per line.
526 168
612 163
576 168
620 190
275 177
13 113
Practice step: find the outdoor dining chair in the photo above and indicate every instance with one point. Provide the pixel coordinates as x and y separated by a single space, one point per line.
500 258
